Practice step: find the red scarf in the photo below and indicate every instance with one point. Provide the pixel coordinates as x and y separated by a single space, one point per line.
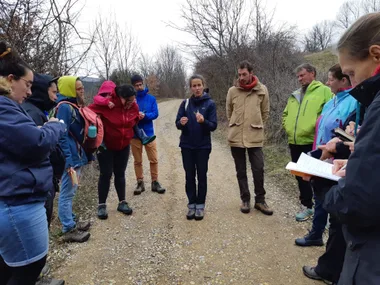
249 87
377 71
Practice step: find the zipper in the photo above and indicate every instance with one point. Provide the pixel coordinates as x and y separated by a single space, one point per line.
123 129
295 126
304 109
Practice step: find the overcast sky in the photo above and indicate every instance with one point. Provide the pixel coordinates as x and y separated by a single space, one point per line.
147 18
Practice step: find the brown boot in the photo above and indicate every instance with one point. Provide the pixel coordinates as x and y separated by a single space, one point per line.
76 236
263 208
245 207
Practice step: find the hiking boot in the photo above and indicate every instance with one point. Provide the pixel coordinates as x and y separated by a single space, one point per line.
245 207
190 213
311 239
83 226
124 208
44 272
309 272
76 236
140 187
263 208
102 212
156 187
146 140
304 214
199 214
50 281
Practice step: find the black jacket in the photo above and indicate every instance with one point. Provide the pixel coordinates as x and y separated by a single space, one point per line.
355 201
37 107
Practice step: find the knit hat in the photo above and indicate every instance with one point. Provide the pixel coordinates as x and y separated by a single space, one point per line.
136 78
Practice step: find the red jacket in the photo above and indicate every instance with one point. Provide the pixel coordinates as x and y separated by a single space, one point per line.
118 123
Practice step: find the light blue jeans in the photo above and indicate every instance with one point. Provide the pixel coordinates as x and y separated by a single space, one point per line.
65 201
24 236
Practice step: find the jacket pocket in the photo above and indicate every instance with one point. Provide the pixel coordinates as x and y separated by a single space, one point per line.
256 134
23 181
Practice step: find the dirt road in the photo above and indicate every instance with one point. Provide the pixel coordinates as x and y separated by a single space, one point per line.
157 245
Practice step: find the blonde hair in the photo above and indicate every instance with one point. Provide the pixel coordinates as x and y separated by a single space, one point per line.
362 34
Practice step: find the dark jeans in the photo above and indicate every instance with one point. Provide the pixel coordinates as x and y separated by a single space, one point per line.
115 162
139 133
330 264
256 158
319 218
306 193
24 275
195 162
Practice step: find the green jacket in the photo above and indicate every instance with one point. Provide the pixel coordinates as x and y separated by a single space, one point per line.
301 114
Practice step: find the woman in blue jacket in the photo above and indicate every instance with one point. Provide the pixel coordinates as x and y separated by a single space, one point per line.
196 118
26 175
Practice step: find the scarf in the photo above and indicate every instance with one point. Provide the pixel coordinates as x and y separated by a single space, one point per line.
249 87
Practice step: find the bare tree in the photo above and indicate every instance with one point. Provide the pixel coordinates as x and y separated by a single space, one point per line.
106 46
319 37
369 6
170 71
44 33
351 10
146 65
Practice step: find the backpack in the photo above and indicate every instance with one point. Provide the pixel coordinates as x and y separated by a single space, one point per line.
90 118
186 104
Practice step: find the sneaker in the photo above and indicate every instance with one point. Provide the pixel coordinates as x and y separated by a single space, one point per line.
44 272
50 281
102 212
304 214
140 187
124 208
76 236
263 208
83 226
190 214
245 207
199 214
309 272
311 239
156 187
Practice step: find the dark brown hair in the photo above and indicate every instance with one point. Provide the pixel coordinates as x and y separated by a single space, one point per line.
362 34
197 76
337 73
246 64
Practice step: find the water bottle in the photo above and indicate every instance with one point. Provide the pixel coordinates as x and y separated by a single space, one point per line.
92 131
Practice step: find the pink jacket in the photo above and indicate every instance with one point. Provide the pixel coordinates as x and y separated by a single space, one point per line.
104 94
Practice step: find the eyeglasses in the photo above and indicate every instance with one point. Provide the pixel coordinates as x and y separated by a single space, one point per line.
28 82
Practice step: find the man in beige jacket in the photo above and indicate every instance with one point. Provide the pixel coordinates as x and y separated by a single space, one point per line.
247 109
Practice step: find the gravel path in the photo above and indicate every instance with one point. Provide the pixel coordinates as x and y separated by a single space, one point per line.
157 245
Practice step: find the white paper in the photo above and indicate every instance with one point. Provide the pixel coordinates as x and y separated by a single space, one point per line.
312 166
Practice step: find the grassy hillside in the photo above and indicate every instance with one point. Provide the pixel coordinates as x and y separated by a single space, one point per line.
322 61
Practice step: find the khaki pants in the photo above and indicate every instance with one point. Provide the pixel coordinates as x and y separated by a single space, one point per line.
151 151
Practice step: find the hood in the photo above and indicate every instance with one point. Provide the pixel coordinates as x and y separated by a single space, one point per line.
107 87
204 97
40 96
5 87
66 86
366 91
312 86
143 92
64 98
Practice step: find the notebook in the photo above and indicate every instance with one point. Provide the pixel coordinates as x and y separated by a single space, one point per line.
312 166
343 135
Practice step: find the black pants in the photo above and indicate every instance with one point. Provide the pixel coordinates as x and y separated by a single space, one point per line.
195 162
49 204
112 162
330 264
24 275
256 158
306 193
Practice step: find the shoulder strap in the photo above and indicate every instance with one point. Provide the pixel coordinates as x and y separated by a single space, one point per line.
186 104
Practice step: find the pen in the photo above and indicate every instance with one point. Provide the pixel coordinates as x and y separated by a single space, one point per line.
344 167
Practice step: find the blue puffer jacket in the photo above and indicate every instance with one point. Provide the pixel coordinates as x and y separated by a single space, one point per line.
73 151
195 135
334 114
148 105
26 174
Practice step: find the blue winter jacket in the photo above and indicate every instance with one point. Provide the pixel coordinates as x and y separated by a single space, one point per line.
334 114
69 143
26 174
195 135
148 105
